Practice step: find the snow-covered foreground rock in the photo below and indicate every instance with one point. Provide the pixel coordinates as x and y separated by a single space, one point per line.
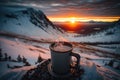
94 63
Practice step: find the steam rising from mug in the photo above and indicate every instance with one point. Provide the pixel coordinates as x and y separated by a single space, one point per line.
59 46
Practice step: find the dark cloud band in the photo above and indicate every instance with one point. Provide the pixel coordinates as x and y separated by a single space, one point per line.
78 7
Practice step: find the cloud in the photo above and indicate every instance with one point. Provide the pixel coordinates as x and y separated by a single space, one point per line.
56 4
95 1
74 7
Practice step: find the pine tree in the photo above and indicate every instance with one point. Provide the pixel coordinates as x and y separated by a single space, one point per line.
9 58
6 56
1 54
19 59
39 59
111 63
24 60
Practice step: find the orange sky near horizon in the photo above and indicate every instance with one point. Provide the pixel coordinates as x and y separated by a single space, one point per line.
83 19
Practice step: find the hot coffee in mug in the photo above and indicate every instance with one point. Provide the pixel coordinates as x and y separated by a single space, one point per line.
61 54
61 47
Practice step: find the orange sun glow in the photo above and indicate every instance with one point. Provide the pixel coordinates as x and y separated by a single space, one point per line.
72 20
83 19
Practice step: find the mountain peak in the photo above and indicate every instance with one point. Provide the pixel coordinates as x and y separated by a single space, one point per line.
27 21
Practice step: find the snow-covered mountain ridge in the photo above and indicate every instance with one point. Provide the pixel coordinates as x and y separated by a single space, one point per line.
27 21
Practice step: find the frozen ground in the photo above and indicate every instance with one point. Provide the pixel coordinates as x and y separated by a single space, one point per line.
94 62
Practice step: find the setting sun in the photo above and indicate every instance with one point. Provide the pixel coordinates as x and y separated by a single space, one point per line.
72 23
72 20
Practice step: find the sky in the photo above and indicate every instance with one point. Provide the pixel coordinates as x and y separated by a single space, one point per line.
78 10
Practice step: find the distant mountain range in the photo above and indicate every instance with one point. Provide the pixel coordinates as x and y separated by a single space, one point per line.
110 35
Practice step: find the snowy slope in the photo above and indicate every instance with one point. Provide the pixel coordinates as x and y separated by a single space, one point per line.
27 21
110 35
93 64
16 74
16 47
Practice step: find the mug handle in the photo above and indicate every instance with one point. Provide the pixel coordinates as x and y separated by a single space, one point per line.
77 57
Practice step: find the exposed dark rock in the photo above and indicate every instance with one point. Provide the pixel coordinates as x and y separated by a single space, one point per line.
11 16
42 73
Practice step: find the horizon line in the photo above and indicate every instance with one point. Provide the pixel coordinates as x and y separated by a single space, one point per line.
84 19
